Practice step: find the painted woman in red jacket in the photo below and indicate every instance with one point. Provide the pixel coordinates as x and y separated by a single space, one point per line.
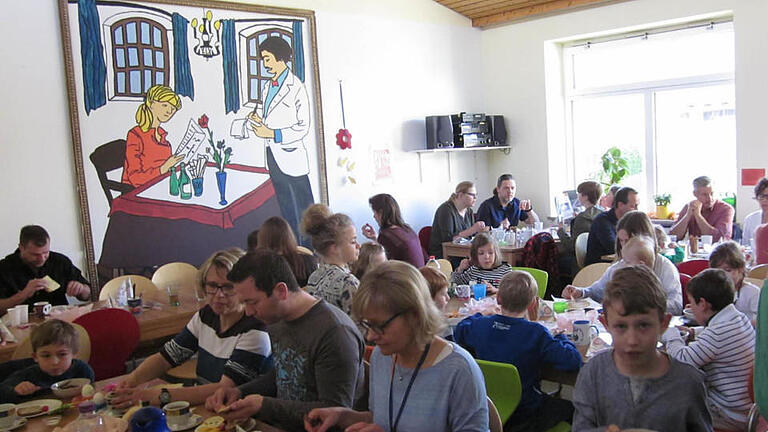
147 152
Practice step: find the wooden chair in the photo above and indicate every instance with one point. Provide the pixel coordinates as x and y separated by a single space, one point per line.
541 277
186 275
581 248
446 268
756 282
692 267
758 272
111 344
589 274
494 420
24 349
142 285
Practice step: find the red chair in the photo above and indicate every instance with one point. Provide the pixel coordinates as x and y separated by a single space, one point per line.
424 234
114 335
684 278
693 267
368 352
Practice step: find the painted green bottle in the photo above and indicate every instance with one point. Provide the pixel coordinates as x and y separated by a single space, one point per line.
185 184
174 182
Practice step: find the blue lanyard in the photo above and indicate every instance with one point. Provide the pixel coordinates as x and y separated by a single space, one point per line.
393 427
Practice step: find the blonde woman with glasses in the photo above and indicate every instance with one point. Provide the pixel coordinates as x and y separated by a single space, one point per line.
418 380
232 348
455 218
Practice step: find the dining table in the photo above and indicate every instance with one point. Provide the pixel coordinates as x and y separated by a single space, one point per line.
38 424
509 254
158 320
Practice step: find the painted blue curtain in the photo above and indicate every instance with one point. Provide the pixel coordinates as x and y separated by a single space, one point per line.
298 50
229 62
92 56
184 85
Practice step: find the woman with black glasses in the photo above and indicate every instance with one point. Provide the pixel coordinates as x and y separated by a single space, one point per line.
232 348
418 380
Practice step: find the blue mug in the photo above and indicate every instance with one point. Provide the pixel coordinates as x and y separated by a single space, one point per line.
479 291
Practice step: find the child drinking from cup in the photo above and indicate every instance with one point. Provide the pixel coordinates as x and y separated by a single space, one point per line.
510 338
53 344
633 384
484 264
724 349
727 256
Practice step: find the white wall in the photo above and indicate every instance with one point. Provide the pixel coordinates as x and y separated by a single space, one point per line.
400 60
514 58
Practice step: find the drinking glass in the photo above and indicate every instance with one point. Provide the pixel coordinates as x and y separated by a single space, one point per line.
173 294
479 291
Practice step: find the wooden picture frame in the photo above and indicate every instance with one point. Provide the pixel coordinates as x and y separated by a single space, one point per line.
153 84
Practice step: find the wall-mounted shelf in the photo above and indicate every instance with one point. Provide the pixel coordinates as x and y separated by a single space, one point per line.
450 150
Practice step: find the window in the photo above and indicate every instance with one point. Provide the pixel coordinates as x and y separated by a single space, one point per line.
665 98
139 56
257 74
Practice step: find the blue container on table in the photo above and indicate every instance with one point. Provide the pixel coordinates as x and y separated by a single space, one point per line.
479 291
149 419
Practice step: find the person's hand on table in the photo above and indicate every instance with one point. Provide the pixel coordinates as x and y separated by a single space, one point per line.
571 292
686 332
504 224
221 398
79 290
490 290
463 265
33 286
244 408
478 227
364 427
25 388
321 419
126 397
369 232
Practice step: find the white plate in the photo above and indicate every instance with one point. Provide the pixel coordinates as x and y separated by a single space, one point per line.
52 404
194 421
21 421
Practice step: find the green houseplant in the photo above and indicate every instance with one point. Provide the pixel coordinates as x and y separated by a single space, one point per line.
615 167
662 205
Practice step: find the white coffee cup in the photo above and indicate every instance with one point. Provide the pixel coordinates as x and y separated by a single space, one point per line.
582 330
7 415
706 240
24 313
177 413
15 316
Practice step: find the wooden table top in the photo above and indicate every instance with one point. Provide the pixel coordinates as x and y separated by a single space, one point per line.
154 324
509 254
38 424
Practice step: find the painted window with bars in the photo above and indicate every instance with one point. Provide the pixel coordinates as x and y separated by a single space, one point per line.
257 74
140 56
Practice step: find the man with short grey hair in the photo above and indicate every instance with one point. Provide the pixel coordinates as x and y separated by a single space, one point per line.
705 215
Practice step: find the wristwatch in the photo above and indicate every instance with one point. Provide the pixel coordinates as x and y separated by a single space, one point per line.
165 396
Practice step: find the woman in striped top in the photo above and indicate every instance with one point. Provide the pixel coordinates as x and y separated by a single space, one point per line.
724 350
484 264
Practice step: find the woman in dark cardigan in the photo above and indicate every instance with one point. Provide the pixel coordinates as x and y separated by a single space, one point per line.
399 240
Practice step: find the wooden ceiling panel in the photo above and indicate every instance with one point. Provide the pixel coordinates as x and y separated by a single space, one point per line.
485 13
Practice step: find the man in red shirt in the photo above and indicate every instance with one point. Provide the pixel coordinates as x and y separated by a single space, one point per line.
704 215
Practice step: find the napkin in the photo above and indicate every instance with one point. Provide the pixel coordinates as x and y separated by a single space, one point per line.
50 284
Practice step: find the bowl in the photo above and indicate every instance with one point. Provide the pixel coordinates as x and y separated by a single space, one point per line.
69 387
688 313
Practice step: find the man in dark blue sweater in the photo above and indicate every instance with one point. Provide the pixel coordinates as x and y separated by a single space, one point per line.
602 233
510 338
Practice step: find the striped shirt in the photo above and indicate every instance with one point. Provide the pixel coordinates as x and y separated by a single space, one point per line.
474 273
725 351
241 353
334 284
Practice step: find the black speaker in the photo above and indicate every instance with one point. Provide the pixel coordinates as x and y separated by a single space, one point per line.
440 132
497 130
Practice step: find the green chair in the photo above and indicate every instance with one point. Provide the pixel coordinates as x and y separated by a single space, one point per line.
541 277
504 388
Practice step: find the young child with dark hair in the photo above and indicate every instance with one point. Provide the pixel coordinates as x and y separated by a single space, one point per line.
53 344
724 349
510 338
484 264
634 385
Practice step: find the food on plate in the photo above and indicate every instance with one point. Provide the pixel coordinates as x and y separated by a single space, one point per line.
87 391
32 410
454 314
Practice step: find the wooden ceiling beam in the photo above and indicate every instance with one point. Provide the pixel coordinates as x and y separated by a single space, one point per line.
529 11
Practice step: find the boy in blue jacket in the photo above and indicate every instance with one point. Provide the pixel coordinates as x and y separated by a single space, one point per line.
53 344
510 338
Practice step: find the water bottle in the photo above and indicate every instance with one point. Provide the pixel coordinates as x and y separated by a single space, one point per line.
433 262
89 420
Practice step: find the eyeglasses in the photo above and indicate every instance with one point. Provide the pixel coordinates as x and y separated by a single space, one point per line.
379 329
473 195
226 289
761 197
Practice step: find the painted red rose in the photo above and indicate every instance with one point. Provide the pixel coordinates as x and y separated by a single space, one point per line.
203 121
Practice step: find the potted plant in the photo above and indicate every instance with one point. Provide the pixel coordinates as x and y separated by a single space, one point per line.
615 167
662 205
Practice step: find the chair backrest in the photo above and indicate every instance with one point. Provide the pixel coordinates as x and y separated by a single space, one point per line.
446 267
761 244
24 349
503 386
108 157
692 267
581 248
142 285
756 282
589 274
684 279
758 272
424 234
303 250
176 272
112 344
541 278
494 420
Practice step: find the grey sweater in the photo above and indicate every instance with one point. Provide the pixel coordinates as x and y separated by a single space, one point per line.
675 402
318 363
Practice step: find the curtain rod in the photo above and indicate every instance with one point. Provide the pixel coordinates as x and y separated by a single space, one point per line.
710 24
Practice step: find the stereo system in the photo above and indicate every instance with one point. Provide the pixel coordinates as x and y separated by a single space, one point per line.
465 130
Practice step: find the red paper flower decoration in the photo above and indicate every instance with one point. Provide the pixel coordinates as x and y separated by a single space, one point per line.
344 139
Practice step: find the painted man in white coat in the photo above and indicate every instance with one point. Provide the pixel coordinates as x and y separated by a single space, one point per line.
283 122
